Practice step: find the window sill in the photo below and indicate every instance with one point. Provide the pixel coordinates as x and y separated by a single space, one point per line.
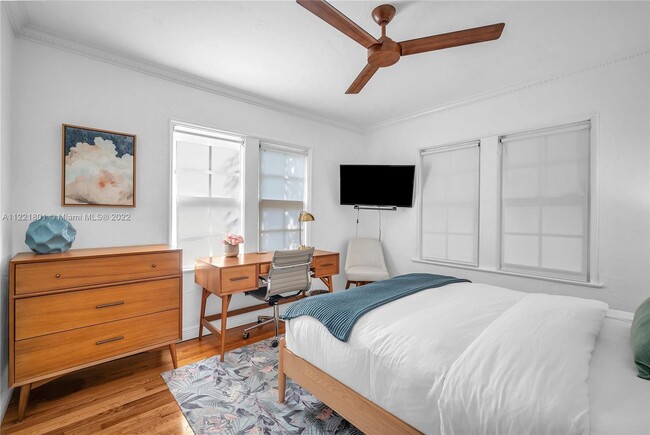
501 272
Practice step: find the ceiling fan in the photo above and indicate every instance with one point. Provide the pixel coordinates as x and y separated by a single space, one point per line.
384 51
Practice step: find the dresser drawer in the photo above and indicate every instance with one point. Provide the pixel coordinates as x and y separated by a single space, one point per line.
49 314
56 275
326 265
239 278
40 356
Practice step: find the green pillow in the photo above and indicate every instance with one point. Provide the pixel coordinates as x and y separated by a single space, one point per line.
640 337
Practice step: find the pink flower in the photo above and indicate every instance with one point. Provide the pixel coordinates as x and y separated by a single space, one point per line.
233 239
266 369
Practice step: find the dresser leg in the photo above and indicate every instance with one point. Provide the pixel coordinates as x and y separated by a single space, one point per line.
22 402
172 351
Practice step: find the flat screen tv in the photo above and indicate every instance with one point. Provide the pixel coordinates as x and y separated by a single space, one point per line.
377 185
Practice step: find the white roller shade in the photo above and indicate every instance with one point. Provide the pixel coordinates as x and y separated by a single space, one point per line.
545 202
449 180
207 190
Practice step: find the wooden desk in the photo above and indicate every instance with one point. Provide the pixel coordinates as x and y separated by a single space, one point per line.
225 276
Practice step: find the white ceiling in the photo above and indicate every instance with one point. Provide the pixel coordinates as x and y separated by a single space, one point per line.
281 52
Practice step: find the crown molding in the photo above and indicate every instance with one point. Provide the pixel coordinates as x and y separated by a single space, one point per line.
622 56
16 15
51 39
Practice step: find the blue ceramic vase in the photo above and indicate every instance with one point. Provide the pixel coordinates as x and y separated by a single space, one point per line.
50 235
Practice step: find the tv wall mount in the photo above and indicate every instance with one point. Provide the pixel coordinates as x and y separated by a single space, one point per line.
365 207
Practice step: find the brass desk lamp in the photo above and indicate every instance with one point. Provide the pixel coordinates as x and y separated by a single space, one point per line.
304 216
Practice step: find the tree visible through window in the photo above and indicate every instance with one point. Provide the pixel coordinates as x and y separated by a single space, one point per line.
283 194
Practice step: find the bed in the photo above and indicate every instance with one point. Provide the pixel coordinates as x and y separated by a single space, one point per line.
433 362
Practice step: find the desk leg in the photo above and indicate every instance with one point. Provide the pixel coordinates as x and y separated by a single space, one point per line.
327 280
225 302
204 298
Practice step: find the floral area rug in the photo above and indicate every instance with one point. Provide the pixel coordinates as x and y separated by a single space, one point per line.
239 396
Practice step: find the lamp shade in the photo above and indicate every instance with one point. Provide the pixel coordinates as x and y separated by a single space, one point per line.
305 216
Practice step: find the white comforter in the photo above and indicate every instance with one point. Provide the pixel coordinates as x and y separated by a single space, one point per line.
403 354
527 372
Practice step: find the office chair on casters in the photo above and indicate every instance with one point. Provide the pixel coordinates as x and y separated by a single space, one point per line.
289 273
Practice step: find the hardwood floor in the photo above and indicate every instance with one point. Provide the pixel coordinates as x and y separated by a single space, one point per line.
126 396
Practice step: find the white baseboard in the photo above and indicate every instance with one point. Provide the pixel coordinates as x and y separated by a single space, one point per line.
620 315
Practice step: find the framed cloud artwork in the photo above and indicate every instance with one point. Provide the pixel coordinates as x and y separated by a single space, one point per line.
98 167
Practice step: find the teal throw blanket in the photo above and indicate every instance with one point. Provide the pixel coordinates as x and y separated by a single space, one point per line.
340 311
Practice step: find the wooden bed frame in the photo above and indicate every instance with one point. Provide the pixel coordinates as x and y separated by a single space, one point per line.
361 412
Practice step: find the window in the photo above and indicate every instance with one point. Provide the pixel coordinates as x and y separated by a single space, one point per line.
283 194
545 202
207 190
449 180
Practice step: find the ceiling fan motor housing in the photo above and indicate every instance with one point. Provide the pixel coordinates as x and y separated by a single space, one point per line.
384 54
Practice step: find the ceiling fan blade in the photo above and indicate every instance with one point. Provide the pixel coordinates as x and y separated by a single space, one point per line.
362 79
453 39
333 17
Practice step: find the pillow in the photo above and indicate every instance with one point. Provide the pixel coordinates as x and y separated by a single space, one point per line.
640 338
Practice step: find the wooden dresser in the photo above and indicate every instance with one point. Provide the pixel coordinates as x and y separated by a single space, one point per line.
88 306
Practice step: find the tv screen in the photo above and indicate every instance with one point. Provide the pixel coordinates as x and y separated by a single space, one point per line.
377 185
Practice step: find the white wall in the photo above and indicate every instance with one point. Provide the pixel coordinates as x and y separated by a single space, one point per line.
619 94
6 62
58 87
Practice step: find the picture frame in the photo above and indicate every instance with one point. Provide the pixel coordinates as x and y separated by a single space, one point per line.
98 167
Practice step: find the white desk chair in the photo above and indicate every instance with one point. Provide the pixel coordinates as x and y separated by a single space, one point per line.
364 262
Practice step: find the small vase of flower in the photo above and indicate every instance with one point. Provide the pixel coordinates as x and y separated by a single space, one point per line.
231 244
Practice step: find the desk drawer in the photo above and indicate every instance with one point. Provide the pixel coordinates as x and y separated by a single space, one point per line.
48 354
64 311
239 278
56 275
326 265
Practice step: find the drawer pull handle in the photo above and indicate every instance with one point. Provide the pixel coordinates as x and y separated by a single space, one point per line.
327 265
153 265
110 304
239 278
110 340
58 275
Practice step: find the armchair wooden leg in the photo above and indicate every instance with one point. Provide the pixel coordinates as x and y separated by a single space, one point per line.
347 284
282 378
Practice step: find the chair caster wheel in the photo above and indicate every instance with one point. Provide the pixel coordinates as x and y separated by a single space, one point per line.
245 335
274 343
